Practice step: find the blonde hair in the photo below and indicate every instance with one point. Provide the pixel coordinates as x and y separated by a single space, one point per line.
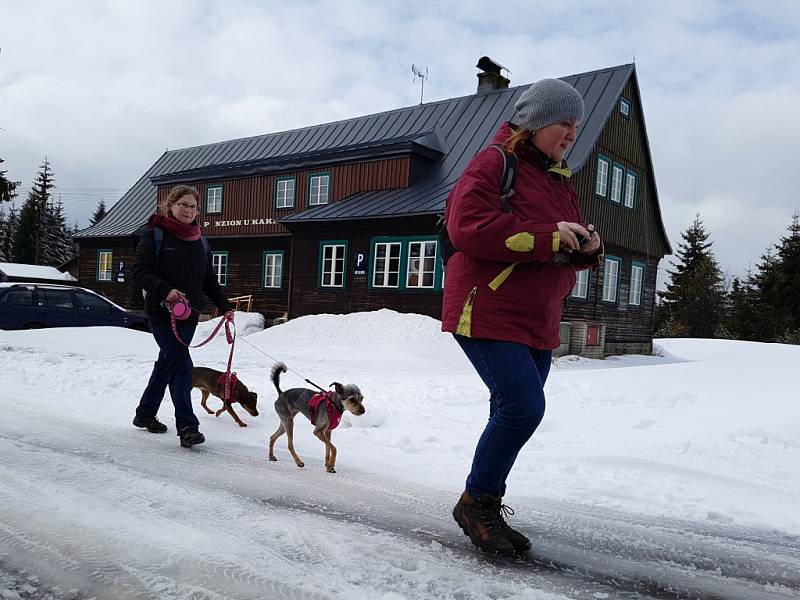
520 134
175 194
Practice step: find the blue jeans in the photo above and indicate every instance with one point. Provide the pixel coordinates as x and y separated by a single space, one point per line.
515 375
174 368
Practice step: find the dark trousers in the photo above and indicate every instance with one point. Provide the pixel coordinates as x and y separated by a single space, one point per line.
515 375
174 369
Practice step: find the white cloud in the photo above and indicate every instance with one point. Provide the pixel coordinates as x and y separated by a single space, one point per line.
104 88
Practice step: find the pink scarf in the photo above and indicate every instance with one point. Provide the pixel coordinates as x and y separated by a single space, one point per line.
182 231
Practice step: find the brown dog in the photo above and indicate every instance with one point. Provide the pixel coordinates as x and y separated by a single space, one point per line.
206 380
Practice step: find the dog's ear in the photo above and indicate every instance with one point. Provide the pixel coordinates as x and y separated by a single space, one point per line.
339 388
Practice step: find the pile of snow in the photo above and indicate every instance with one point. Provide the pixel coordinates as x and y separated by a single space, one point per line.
34 272
704 430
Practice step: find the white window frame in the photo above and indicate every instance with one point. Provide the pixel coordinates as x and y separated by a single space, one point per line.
611 278
631 183
617 177
625 107
316 188
213 199
219 261
333 263
601 181
424 264
273 269
284 192
581 287
388 260
637 280
105 262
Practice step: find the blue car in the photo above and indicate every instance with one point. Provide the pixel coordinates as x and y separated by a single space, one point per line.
38 305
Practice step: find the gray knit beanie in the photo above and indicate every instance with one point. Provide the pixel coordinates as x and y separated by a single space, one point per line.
546 102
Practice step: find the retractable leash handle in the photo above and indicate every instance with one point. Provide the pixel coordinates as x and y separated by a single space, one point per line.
180 309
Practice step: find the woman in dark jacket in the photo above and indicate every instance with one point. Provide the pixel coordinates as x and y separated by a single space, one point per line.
178 266
506 285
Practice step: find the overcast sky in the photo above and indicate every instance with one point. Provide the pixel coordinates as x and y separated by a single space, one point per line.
103 88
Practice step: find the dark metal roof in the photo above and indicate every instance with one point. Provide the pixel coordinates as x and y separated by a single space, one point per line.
458 128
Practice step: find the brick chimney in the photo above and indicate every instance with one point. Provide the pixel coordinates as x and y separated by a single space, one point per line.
490 79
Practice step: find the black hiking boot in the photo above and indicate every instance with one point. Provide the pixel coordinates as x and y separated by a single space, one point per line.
484 524
519 541
152 424
190 436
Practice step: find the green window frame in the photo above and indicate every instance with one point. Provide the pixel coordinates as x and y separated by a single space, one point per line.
272 272
631 185
332 267
616 183
602 176
611 271
285 188
319 193
583 279
105 264
219 261
637 283
214 199
624 107
409 263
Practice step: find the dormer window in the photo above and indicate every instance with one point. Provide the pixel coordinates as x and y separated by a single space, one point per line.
214 199
625 108
319 186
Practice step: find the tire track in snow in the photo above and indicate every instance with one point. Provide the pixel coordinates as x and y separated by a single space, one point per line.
576 549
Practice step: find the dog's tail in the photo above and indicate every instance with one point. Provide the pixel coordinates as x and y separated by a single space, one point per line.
277 369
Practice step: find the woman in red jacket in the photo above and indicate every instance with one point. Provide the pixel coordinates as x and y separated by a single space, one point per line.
506 285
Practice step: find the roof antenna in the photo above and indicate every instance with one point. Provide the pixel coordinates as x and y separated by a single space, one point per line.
422 74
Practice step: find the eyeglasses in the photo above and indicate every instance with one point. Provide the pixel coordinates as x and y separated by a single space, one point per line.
187 206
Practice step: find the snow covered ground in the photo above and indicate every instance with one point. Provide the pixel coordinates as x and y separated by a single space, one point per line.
646 473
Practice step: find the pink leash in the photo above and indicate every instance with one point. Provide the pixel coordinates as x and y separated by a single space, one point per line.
227 381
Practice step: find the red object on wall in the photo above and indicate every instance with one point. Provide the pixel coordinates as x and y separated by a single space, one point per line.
592 335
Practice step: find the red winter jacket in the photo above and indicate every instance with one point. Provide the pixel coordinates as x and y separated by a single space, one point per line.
504 284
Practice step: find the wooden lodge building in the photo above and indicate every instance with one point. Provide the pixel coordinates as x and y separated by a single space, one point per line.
341 217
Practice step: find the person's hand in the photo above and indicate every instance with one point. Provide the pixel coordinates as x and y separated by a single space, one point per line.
229 315
592 246
569 236
173 296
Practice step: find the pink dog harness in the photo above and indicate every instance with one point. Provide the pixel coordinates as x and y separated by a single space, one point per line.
334 415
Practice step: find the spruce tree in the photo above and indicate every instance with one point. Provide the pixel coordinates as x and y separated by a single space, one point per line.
765 282
786 296
746 311
694 300
57 243
8 229
3 235
99 213
7 187
32 227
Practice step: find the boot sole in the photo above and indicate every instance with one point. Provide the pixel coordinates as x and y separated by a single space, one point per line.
190 443
151 430
480 545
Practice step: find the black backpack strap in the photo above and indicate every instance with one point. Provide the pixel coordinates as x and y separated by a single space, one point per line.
158 236
509 177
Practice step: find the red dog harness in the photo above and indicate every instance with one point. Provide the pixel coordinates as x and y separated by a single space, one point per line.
334 414
227 385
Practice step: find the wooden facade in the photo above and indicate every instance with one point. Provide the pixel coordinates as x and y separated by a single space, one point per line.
250 227
630 234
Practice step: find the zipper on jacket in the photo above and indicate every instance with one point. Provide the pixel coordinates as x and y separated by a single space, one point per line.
465 320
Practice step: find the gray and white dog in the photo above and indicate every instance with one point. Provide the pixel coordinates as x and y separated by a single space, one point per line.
298 400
